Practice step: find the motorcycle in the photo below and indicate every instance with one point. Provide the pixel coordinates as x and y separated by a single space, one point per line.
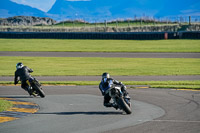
119 100
34 87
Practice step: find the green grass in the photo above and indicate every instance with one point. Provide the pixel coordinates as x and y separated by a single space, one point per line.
4 105
153 84
95 66
100 45
110 24
195 85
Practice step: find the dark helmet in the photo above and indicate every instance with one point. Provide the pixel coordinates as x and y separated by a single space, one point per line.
19 65
105 75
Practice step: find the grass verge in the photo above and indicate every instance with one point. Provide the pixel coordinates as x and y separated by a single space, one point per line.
53 66
4 105
67 45
153 84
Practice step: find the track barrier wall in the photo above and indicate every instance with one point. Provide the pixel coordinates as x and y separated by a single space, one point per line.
102 35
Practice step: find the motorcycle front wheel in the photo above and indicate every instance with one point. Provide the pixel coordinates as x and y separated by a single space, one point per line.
124 105
39 91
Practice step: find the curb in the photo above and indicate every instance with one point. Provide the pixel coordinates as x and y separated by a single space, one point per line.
20 109
185 90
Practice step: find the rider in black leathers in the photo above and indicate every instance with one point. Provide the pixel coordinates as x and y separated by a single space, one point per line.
106 84
23 72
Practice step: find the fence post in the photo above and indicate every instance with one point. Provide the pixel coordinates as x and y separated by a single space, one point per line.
105 25
166 35
189 20
95 26
73 24
128 23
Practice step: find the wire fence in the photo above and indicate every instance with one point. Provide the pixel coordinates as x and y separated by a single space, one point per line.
143 24
143 21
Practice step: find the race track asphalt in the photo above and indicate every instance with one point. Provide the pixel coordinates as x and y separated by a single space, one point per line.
79 109
101 54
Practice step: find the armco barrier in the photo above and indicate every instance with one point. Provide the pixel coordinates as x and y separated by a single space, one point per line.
189 35
101 35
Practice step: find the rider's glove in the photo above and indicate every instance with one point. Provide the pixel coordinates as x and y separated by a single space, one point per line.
124 87
103 93
16 82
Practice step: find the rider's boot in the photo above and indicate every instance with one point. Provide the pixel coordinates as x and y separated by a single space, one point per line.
115 106
107 104
111 105
29 91
34 94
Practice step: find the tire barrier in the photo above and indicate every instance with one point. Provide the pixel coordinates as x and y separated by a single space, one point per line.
102 35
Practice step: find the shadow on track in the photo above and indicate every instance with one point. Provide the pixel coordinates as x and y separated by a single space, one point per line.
15 97
84 113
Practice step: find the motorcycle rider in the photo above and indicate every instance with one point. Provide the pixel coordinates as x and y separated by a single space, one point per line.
105 84
23 72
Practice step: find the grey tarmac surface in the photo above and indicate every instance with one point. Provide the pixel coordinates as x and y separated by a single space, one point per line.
101 54
79 109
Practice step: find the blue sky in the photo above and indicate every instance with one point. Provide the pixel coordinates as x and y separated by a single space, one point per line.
45 5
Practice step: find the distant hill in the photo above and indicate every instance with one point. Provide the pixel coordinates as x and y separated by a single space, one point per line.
102 9
10 9
116 9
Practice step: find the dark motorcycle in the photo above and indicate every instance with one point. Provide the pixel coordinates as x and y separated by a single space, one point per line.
34 87
119 100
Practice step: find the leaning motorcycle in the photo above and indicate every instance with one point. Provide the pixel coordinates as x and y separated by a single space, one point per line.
34 87
119 100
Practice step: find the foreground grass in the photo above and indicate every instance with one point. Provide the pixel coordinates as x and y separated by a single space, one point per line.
99 45
153 84
4 105
46 66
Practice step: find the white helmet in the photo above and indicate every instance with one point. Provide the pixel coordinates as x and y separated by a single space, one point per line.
19 65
